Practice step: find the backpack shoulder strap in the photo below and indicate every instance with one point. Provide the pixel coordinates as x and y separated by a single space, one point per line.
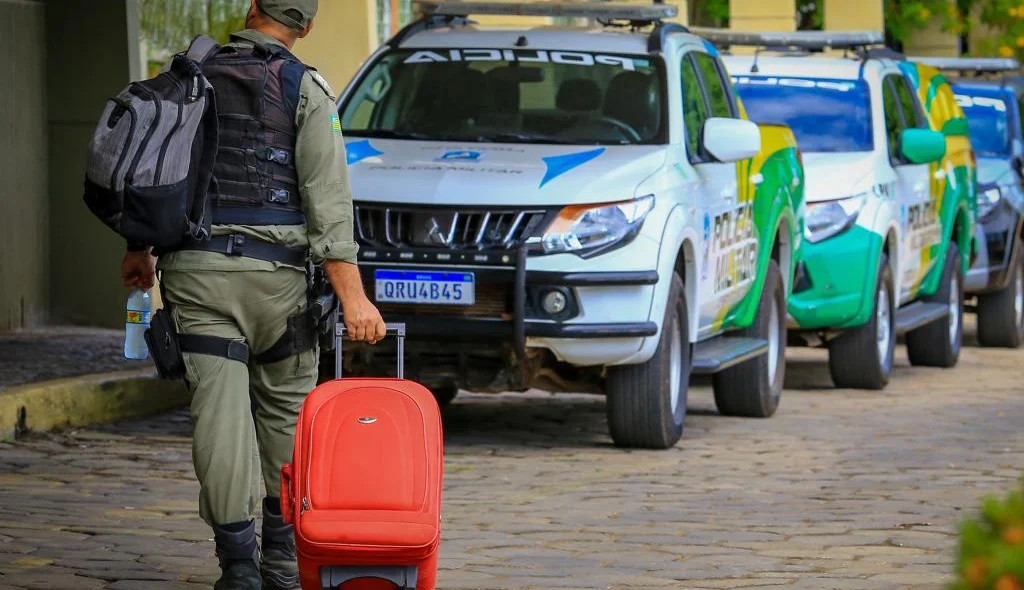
201 49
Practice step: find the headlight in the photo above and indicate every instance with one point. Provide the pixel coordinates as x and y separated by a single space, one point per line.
588 230
988 199
829 218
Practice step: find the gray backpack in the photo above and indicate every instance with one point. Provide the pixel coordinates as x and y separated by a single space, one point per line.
151 156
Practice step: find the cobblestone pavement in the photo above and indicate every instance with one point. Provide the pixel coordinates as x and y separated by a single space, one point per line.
841 489
61 351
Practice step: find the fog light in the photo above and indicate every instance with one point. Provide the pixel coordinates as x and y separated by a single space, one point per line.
554 302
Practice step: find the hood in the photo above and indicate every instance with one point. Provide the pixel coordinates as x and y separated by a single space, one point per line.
829 176
447 173
994 171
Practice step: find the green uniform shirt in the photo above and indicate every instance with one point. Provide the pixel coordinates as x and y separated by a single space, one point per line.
323 184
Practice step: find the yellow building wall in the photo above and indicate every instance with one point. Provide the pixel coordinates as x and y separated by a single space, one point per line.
862 15
762 15
344 34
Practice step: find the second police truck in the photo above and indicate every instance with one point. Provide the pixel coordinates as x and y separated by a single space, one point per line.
890 191
576 209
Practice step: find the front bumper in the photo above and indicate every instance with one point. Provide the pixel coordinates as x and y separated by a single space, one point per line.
994 241
508 314
834 279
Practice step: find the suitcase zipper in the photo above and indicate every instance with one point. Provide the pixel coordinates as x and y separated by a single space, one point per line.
305 506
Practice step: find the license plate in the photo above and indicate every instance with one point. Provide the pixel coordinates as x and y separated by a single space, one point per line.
436 288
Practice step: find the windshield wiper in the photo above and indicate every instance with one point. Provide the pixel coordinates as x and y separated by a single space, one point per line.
389 134
520 138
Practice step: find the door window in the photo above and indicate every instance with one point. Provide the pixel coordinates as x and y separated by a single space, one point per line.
912 115
892 119
715 83
901 112
705 94
695 112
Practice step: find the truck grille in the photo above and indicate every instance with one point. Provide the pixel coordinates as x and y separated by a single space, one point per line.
436 227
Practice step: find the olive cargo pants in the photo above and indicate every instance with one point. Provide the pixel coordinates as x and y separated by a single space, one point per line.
243 416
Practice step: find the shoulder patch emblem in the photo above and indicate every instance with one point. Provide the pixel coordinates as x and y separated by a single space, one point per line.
323 83
335 123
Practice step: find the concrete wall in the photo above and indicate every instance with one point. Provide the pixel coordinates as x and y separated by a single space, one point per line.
23 210
932 42
94 55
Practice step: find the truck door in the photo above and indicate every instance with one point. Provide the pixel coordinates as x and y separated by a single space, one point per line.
726 263
919 227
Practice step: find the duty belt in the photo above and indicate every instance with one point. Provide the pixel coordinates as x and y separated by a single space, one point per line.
240 245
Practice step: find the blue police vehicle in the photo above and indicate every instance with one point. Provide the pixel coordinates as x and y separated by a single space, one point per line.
992 97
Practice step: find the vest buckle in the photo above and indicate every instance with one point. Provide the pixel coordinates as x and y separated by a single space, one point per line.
236 245
276 155
278 195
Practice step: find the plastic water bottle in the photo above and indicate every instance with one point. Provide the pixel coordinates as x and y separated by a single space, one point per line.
135 323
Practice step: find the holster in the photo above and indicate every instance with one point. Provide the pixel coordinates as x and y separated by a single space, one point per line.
310 327
166 345
302 333
164 349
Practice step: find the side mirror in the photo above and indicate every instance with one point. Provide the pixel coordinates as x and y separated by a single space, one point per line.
1017 149
922 146
731 140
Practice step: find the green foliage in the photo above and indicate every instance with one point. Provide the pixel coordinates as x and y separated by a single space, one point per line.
999 22
168 26
903 17
1007 18
709 13
992 546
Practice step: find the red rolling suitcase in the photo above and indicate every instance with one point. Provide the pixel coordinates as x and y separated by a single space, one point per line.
364 486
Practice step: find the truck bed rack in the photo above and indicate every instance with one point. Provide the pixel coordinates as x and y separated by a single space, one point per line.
599 11
456 13
977 65
810 40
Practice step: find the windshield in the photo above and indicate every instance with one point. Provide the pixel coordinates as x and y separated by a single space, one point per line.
509 96
987 120
825 115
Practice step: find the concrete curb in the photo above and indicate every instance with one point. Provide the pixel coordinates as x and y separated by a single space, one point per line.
85 400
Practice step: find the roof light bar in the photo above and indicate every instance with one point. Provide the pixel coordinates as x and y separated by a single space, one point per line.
632 12
796 39
970 64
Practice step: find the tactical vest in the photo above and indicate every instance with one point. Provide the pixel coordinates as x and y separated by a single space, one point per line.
254 177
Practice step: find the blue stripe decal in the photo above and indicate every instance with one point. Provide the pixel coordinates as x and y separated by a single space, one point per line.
559 165
710 47
357 151
406 275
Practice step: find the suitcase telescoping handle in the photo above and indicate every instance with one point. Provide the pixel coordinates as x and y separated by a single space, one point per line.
340 332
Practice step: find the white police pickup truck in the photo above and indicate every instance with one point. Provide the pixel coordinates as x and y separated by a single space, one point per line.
575 210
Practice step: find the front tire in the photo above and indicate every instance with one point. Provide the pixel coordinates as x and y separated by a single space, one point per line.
861 358
938 344
646 403
1001 314
753 388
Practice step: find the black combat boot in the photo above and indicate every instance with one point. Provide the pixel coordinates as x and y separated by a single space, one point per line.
239 556
277 559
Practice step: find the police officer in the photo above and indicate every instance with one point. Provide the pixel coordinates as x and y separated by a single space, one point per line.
280 194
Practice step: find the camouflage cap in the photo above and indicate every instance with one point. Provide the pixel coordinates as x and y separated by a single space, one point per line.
296 14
